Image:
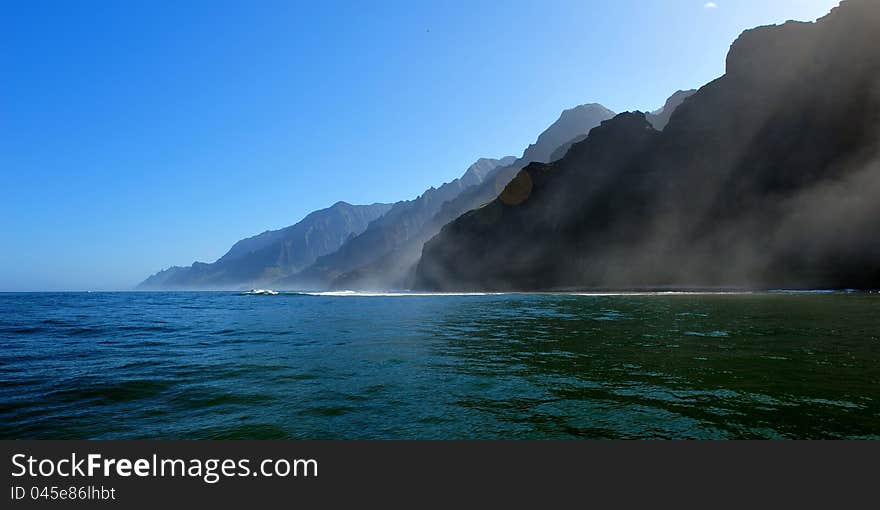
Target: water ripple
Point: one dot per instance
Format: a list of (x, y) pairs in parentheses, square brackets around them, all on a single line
[(224, 365)]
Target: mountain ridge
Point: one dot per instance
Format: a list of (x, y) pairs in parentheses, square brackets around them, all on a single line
[(402, 221), (396, 270), (393, 268), (262, 257), (767, 177)]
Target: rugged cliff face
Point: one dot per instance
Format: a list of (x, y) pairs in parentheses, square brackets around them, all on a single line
[(572, 122), (396, 270), (384, 256), (660, 118), (402, 222), (766, 177), (274, 253)]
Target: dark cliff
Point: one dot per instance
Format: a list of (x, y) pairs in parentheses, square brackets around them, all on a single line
[(384, 256), (403, 221), (767, 177), (395, 269)]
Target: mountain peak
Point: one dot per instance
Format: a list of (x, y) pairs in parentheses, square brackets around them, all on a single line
[(476, 173), (586, 108), (659, 118), (778, 53), (571, 123), (767, 177)]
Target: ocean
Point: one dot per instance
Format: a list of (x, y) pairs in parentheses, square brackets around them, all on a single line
[(228, 365)]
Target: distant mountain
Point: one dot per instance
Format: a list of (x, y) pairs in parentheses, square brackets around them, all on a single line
[(394, 269), (404, 220), (273, 254), (768, 177), (572, 122), (341, 247), (560, 151), (659, 118)]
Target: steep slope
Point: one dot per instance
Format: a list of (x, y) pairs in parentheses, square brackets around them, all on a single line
[(395, 268), (273, 253), (572, 122), (767, 177), (560, 152), (588, 115), (403, 221), (660, 118)]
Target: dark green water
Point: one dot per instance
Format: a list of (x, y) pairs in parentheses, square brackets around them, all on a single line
[(224, 365)]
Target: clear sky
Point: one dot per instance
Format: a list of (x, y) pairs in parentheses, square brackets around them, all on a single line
[(139, 135)]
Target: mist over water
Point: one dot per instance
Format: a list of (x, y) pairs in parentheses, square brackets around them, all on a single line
[(519, 366)]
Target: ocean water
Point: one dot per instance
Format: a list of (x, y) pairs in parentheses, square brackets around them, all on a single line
[(512, 366)]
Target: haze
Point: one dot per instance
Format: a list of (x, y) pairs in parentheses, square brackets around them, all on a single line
[(133, 138)]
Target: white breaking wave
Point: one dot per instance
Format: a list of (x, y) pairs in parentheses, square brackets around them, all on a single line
[(352, 293)]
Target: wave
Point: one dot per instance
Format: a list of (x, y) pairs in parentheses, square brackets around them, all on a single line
[(623, 293), (261, 292), (352, 293)]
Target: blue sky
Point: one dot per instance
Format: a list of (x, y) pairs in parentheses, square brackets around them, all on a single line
[(139, 135)]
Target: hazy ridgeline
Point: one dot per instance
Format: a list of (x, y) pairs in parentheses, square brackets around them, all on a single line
[(380, 253), (274, 253), (766, 177)]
